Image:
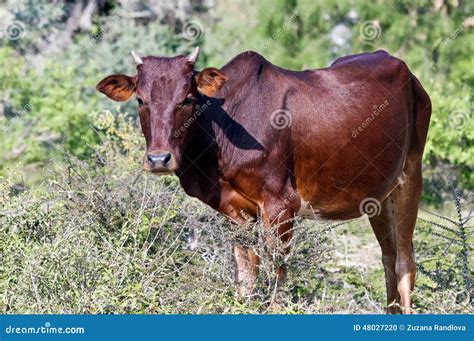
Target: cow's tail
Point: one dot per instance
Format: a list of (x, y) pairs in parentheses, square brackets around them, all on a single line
[(421, 117)]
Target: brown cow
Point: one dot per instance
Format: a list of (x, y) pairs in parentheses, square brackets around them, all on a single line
[(331, 143)]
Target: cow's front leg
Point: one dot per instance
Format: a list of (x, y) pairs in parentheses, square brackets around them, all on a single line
[(277, 235), (277, 216), (246, 263)]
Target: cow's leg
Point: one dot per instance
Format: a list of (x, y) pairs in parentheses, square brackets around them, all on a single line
[(277, 219), (383, 226), (394, 228), (278, 238), (246, 263), (406, 198)]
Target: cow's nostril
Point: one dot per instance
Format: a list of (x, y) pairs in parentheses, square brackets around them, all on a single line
[(166, 159), (151, 159)]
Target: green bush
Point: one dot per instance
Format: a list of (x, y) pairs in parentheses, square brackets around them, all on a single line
[(48, 98)]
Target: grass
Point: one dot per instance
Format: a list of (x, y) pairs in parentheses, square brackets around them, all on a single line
[(104, 237)]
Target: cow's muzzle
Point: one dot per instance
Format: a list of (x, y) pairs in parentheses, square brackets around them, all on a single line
[(159, 162)]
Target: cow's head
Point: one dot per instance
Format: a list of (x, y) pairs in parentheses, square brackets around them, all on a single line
[(167, 91)]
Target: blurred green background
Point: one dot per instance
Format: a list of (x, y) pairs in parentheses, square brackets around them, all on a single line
[(83, 229), (53, 53)]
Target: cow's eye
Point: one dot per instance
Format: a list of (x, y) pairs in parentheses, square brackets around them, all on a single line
[(140, 102), (187, 101)]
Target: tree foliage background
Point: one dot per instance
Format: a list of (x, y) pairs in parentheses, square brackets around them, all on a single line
[(53, 53)]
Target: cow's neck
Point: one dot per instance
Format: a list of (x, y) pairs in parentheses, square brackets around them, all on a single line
[(199, 171)]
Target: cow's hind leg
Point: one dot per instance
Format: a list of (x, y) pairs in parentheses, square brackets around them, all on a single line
[(406, 199), (394, 228), (383, 226)]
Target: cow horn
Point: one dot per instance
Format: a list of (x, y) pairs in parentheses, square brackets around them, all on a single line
[(193, 56), (136, 58)]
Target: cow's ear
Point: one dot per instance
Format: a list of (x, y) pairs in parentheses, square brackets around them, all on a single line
[(210, 80), (117, 87)]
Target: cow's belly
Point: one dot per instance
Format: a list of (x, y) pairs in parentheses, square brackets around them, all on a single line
[(341, 205), (334, 184)]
